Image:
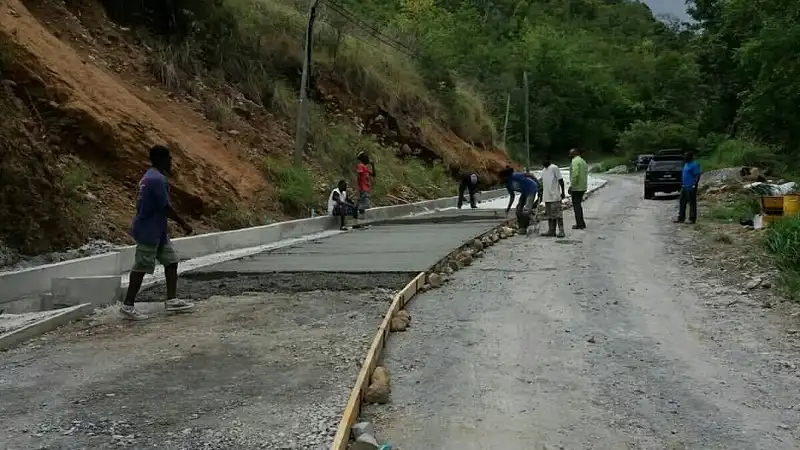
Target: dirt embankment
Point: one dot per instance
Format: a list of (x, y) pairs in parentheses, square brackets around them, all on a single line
[(82, 105)]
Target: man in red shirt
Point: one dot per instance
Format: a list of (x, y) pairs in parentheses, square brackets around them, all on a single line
[(365, 171)]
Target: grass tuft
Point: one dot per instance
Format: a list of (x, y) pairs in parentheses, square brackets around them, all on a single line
[(163, 67), (220, 111), (295, 189), (782, 240), (742, 206)]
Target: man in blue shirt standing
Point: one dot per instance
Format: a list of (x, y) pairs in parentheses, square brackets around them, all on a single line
[(690, 180), (149, 230), (528, 188)]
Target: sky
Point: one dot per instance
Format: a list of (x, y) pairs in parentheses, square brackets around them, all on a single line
[(675, 7)]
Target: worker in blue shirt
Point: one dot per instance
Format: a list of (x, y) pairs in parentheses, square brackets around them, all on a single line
[(528, 188), (690, 179)]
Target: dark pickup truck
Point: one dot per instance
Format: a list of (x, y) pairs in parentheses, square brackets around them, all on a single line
[(663, 175)]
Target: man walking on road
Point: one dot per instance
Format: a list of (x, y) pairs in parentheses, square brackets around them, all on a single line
[(578, 184), (690, 179), (149, 230), (552, 195), (469, 182), (365, 172), (526, 185)]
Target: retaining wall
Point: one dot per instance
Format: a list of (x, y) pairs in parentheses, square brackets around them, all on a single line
[(25, 287)]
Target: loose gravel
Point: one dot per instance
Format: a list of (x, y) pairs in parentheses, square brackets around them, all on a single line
[(251, 371), (609, 339)]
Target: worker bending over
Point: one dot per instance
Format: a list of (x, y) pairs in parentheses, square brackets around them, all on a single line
[(528, 189)]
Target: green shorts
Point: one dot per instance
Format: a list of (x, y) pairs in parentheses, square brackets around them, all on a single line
[(147, 255)]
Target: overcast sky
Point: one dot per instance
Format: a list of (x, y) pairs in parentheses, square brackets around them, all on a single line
[(675, 7)]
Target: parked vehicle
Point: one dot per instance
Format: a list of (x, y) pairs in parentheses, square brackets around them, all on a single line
[(663, 175), (641, 162), (670, 153)]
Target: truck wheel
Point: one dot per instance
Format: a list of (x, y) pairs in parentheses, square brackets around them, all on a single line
[(648, 194)]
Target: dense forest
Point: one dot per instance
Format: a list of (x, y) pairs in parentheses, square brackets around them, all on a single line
[(608, 76)]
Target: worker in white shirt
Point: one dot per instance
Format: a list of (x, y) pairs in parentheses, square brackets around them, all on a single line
[(553, 193), (339, 205)]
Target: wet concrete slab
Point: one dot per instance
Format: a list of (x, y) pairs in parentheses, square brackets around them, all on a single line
[(384, 248)]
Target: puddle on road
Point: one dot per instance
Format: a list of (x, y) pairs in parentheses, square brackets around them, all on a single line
[(567, 241)]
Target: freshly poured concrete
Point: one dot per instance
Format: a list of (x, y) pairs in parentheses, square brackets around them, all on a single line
[(387, 248)]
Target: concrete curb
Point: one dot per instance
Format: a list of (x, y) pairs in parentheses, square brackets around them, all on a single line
[(353, 409), (29, 284), (13, 338)]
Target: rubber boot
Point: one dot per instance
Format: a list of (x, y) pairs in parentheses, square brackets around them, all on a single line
[(561, 232), (551, 228)]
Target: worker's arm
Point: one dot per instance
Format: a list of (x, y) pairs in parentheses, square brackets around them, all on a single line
[(574, 173), (160, 191), (510, 199), (172, 214)]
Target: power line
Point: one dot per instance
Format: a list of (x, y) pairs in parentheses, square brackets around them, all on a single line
[(373, 32), (339, 8)]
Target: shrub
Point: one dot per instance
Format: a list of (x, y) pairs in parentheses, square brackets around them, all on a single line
[(744, 206), (782, 239), (232, 216), (295, 189), (741, 152), (220, 111), (648, 136), (162, 65)]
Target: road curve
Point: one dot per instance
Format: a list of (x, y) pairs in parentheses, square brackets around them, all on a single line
[(603, 340)]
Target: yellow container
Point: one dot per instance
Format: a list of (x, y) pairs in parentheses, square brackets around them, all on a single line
[(791, 204)]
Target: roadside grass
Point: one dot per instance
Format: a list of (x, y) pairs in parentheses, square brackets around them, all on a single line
[(234, 216), (261, 51), (739, 206), (782, 240), (295, 189), (398, 180), (76, 179)]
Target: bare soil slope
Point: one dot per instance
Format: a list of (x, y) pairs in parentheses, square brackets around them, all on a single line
[(83, 105)]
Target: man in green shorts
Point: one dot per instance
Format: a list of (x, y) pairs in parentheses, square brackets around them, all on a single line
[(149, 230)]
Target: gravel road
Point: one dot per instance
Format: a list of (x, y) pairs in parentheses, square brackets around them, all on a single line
[(245, 371), (608, 339)]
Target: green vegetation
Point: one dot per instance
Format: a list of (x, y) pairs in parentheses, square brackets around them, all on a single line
[(741, 206), (782, 240), (606, 76), (295, 189)]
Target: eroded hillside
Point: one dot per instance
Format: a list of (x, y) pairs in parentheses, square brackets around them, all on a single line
[(83, 97)]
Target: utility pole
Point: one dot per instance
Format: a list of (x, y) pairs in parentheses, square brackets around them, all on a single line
[(527, 121), (302, 102), (505, 123)]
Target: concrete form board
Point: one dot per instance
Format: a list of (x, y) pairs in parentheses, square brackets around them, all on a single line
[(34, 281), (98, 290), (388, 248)]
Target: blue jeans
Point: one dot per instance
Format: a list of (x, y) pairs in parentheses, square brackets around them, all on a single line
[(688, 196)]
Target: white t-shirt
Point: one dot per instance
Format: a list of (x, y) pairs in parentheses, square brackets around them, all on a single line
[(551, 192), (332, 202)]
